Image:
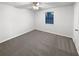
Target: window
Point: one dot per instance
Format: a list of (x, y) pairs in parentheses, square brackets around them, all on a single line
[(49, 18)]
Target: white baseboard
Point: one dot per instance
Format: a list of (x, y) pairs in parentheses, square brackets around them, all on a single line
[(76, 45), (16, 35), (77, 49), (54, 33)]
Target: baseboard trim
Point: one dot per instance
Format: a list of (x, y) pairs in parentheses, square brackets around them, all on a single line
[(76, 46), (54, 33), (16, 36)]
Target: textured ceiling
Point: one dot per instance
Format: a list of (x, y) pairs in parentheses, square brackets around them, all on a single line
[(42, 5)]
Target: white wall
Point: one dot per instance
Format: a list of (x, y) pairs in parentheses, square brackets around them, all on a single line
[(14, 22), (63, 21), (76, 26)]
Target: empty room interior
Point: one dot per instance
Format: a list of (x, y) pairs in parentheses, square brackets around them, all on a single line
[(39, 28)]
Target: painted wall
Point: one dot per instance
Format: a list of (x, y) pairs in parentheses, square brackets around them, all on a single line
[(63, 21), (14, 22), (76, 26)]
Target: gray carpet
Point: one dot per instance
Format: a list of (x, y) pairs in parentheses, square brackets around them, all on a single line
[(38, 43)]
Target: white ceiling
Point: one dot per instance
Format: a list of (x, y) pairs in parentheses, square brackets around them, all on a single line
[(42, 5)]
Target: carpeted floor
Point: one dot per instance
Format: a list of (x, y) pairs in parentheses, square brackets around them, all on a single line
[(38, 43)]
